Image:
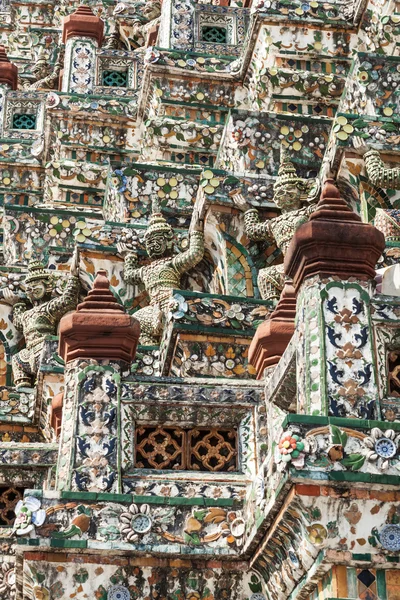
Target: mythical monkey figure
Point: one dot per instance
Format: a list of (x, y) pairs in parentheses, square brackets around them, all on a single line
[(131, 23), (290, 192), (163, 274), (46, 78), (387, 220), (38, 314)]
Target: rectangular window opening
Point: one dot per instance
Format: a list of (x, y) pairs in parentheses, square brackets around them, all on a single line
[(186, 449)]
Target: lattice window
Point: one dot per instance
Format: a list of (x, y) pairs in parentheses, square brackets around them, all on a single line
[(23, 121), (199, 449), (393, 367), (9, 496), (159, 447), (115, 78), (216, 35)]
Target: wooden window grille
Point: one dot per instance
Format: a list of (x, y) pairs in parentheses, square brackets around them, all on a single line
[(199, 449), (215, 35), (9, 496)]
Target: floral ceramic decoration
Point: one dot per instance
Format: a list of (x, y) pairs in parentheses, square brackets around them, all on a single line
[(28, 515), (292, 450), (118, 592), (382, 446), (135, 522), (130, 134), (217, 312), (317, 533), (389, 537), (8, 580)]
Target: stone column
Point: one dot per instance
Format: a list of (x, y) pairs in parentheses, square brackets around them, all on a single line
[(83, 35), (97, 342), (8, 81), (331, 261)]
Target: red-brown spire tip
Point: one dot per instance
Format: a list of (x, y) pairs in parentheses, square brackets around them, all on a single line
[(332, 206), (8, 71), (101, 281), (83, 23), (3, 54), (330, 190), (84, 10), (99, 328), (100, 297), (334, 242)]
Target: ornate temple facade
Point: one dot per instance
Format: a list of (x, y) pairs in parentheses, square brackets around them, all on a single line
[(200, 300)]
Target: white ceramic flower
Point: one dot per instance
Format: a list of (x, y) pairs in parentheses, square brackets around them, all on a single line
[(381, 446), (28, 515), (135, 522)]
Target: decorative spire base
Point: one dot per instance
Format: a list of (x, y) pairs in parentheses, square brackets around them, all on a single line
[(99, 328), (8, 71), (273, 336), (333, 243), (83, 23)]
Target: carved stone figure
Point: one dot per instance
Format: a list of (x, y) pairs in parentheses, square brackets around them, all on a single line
[(378, 174), (163, 274), (387, 220), (133, 29), (38, 314), (290, 192), (46, 79)]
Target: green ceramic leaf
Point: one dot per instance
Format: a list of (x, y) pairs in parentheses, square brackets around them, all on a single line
[(338, 436), (353, 461), (200, 514)]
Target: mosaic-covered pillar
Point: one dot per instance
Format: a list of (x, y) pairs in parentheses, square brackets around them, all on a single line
[(332, 261), (82, 35), (98, 342), (8, 80)]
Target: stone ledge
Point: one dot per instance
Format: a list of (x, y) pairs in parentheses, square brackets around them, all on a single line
[(339, 422)]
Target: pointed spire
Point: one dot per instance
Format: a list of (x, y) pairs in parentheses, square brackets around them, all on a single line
[(83, 23), (332, 206), (99, 328), (100, 296), (333, 243), (273, 336), (8, 71)]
